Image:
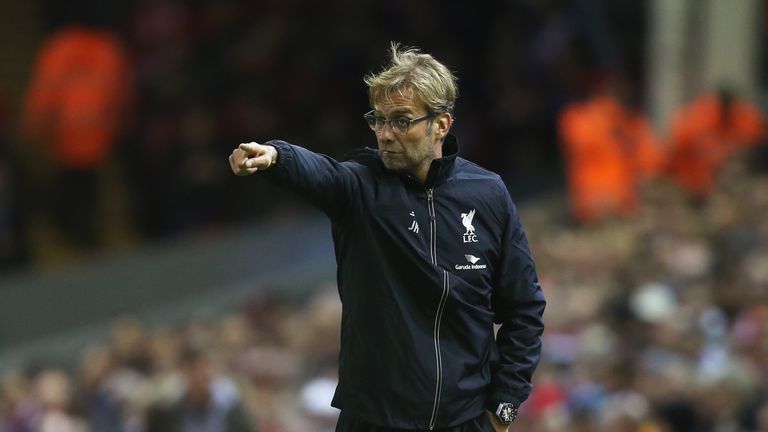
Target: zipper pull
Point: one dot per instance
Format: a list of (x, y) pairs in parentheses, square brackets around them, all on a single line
[(430, 204)]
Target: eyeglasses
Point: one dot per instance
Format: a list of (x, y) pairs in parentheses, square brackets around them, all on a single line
[(399, 125)]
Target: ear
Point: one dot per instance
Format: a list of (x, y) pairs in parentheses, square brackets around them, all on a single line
[(443, 124)]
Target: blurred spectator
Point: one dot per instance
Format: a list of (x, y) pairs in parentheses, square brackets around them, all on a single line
[(316, 396), (609, 150), (705, 133), (209, 402), (75, 110), (17, 405), (54, 392), (129, 344), (104, 389)]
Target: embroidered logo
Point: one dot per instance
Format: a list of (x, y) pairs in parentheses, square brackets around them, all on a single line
[(473, 264), (466, 220), (472, 259), (414, 225)]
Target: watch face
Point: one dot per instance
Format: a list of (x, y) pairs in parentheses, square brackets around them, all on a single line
[(507, 413)]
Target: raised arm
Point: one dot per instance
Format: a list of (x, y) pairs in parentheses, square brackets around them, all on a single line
[(322, 181)]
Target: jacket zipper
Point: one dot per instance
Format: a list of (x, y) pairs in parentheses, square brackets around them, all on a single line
[(432, 227), (440, 306)]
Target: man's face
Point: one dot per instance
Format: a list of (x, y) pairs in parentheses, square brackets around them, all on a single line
[(413, 151)]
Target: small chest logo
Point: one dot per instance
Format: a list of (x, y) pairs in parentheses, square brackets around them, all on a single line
[(473, 264), (414, 225), (466, 220), (472, 259)]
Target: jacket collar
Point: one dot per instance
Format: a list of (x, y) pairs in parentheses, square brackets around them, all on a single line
[(441, 168)]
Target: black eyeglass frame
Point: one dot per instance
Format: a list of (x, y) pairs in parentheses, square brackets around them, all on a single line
[(400, 125)]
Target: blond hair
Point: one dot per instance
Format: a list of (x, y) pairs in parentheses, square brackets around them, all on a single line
[(410, 70)]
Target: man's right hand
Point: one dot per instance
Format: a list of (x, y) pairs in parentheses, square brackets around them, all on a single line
[(250, 157)]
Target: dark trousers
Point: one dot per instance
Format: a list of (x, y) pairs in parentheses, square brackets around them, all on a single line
[(349, 424)]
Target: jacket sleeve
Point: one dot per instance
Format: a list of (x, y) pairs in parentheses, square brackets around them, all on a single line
[(324, 182), (518, 305)]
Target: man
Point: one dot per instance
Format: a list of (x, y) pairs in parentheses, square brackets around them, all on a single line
[(610, 150), (430, 252), (76, 106), (706, 133)]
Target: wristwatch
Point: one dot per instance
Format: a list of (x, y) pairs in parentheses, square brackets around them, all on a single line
[(506, 413)]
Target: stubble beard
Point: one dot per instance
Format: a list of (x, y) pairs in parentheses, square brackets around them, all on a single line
[(407, 165), (410, 162)]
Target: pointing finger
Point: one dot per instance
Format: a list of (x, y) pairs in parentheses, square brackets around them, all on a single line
[(251, 148)]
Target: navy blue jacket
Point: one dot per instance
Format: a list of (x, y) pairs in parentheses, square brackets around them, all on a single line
[(424, 270)]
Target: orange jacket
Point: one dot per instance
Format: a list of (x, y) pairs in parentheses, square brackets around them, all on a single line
[(607, 151), (78, 96), (703, 138), (599, 178), (647, 153)]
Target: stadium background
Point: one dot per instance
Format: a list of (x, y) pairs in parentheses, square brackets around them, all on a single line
[(657, 322)]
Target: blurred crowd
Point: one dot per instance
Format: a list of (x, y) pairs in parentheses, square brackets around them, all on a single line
[(268, 367), (655, 324), (658, 323)]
